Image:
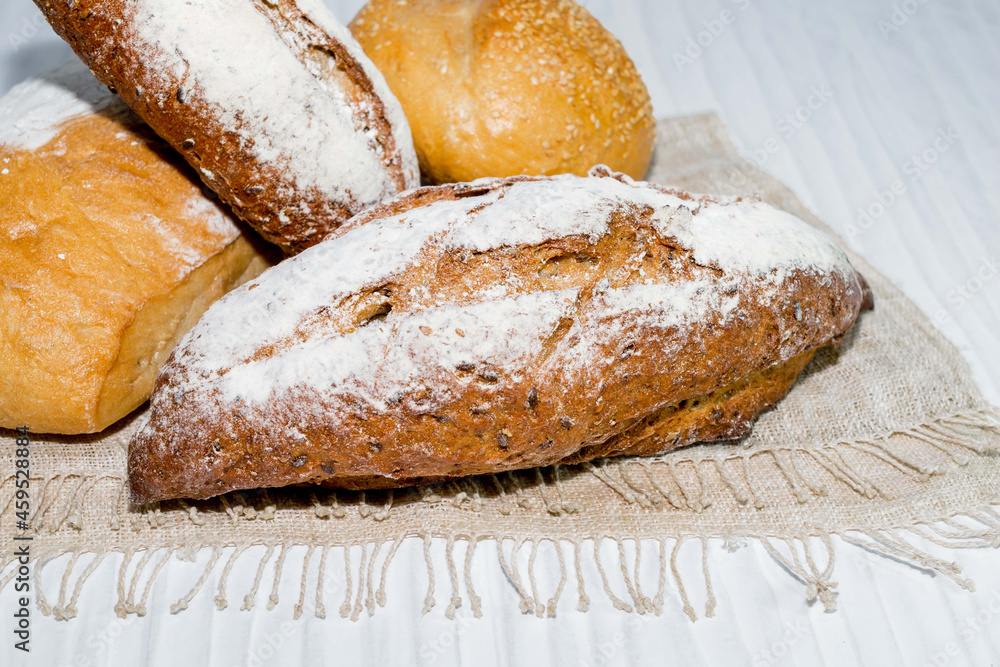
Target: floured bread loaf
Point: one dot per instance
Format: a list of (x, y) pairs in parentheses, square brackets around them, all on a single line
[(272, 101), (109, 251), (492, 326)]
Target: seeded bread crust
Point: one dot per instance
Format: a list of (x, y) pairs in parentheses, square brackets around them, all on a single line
[(510, 87), (486, 339), (219, 132)]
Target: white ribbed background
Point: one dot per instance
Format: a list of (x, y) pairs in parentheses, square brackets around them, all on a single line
[(888, 97)]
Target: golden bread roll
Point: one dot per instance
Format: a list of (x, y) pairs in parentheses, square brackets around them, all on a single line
[(507, 87), (109, 251), (492, 326), (272, 101)]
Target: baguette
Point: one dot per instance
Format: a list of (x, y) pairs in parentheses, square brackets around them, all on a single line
[(271, 101), (492, 326)]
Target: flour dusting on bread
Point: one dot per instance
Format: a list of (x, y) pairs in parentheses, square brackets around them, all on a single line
[(763, 242), (38, 111), (278, 110), (753, 237), (488, 326), (506, 331), (32, 111), (271, 101), (112, 249)]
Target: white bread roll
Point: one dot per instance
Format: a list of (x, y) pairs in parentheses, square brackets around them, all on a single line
[(110, 250), (510, 87)]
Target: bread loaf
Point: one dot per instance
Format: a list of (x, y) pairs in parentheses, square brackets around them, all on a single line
[(109, 251), (271, 101), (510, 87), (491, 326)]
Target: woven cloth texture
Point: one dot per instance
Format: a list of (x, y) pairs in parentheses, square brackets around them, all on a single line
[(886, 435)]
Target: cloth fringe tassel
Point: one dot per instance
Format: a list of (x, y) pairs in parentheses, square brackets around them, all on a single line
[(635, 576), (615, 566)]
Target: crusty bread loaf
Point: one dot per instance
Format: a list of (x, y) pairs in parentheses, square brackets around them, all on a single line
[(109, 251), (509, 87), (492, 326), (272, 101)]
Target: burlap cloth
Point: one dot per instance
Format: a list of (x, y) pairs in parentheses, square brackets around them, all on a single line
[(881, 440)]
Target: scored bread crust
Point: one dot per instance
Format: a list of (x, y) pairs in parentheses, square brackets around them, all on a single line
[(272, 101), (497, 325)]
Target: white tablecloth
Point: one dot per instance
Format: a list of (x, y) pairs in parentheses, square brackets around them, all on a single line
[(883, 118)]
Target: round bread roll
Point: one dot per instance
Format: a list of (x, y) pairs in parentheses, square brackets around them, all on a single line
[(272, 101), (110, 250), (508, 87)]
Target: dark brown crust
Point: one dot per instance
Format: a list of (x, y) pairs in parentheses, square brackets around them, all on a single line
[(258, 194), (360, 85), (648, 390), (723, 414), (453, 191)]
